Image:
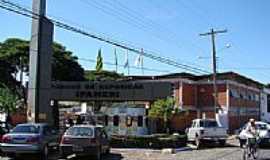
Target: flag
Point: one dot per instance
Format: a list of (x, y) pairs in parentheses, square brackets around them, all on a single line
[(141, 60), (138, 60), (126, 60)]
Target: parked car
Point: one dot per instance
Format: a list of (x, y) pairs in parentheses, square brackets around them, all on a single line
[(30, 138), (6, 126), (263, 130), (206, 130), (84, 140), (3, 131)]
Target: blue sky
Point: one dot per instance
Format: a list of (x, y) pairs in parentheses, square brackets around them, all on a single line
[(169, 28)]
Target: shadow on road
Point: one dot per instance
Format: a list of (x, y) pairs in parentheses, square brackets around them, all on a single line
[(111, 156)]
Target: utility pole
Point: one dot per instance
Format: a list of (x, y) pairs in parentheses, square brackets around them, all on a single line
[(38, 105), (212, 33)]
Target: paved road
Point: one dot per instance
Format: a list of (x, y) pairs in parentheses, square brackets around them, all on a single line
[(227, 153), (230, 152)]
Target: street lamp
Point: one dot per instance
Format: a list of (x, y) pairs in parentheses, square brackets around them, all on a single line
[(214, 58)]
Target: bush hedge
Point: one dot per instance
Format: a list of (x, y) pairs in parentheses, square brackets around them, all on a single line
[(155, 141)]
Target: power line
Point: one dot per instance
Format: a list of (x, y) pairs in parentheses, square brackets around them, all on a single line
[(125, 15), (22, 11), (133, 67)]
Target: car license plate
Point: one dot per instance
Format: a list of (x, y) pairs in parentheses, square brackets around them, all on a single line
[(77, 149)]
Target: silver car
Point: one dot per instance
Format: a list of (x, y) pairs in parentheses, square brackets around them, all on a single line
[(85, 140), (29, 138)]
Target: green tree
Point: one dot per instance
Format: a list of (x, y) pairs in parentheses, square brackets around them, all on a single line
[(99, 65), (65, 66), (102, 75), (9, 100), (163, 109), (14, 57)]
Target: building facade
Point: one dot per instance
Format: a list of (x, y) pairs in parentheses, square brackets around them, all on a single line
[(238, 99), (265, 105)]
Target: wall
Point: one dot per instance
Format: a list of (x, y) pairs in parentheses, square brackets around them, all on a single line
[(182, 120), (189, 94), (123, 111), (244, 104), (206, 98), (265, 104)]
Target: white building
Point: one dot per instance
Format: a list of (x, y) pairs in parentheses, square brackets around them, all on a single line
[(265, 105), (126, 119)]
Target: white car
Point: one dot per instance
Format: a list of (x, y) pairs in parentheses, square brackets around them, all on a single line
[(263, 131), (206, 130)]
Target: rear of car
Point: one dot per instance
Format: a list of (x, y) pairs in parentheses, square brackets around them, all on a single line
[(80, 140), (206, 130), (24, 138), (210, 130)]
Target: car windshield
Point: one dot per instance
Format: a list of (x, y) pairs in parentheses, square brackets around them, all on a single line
[(26, 129), (80, 131), (208, 123), (262, 126)]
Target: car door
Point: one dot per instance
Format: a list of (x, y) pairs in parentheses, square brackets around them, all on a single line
[(50, 138), (191, 131)]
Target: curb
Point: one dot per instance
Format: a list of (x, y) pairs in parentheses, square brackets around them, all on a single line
[(164, 150)]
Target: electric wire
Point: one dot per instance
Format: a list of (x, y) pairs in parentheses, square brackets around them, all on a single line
[(167, 61)]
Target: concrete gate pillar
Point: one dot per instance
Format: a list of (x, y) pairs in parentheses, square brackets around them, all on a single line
[(39, 107)]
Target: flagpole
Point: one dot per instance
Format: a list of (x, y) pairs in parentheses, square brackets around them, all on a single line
[(142, 62), (127, 62), (116, 63)]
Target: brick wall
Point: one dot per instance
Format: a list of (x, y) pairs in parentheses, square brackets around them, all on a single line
[(183, 120), (189, 94), (206, 98)]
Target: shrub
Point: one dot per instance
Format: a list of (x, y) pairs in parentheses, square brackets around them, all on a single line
[(156, 141)]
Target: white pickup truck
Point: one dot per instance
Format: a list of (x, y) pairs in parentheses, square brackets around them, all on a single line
[(206, 130)]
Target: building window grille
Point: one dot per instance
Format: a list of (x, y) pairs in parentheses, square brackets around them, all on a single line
[(106, 120), (115, 120), (140, 121), (146, 121), (234, 94), (256, 97)]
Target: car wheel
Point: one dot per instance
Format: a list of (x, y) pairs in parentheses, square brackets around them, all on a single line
[(45, 153), (11, 156), (108, 150), (222, 142), (198, 143), (98, 155)]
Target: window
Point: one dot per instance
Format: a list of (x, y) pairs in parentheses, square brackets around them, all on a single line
[(257, 97), (234, 93), (249, 96), (47, 130), (80, 131), (207, 123), (129, 120), (26, 129), (103, 134), (115, 120), (140, 121), (146, 122), (241, 95), (193, 124), (106, 120)]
